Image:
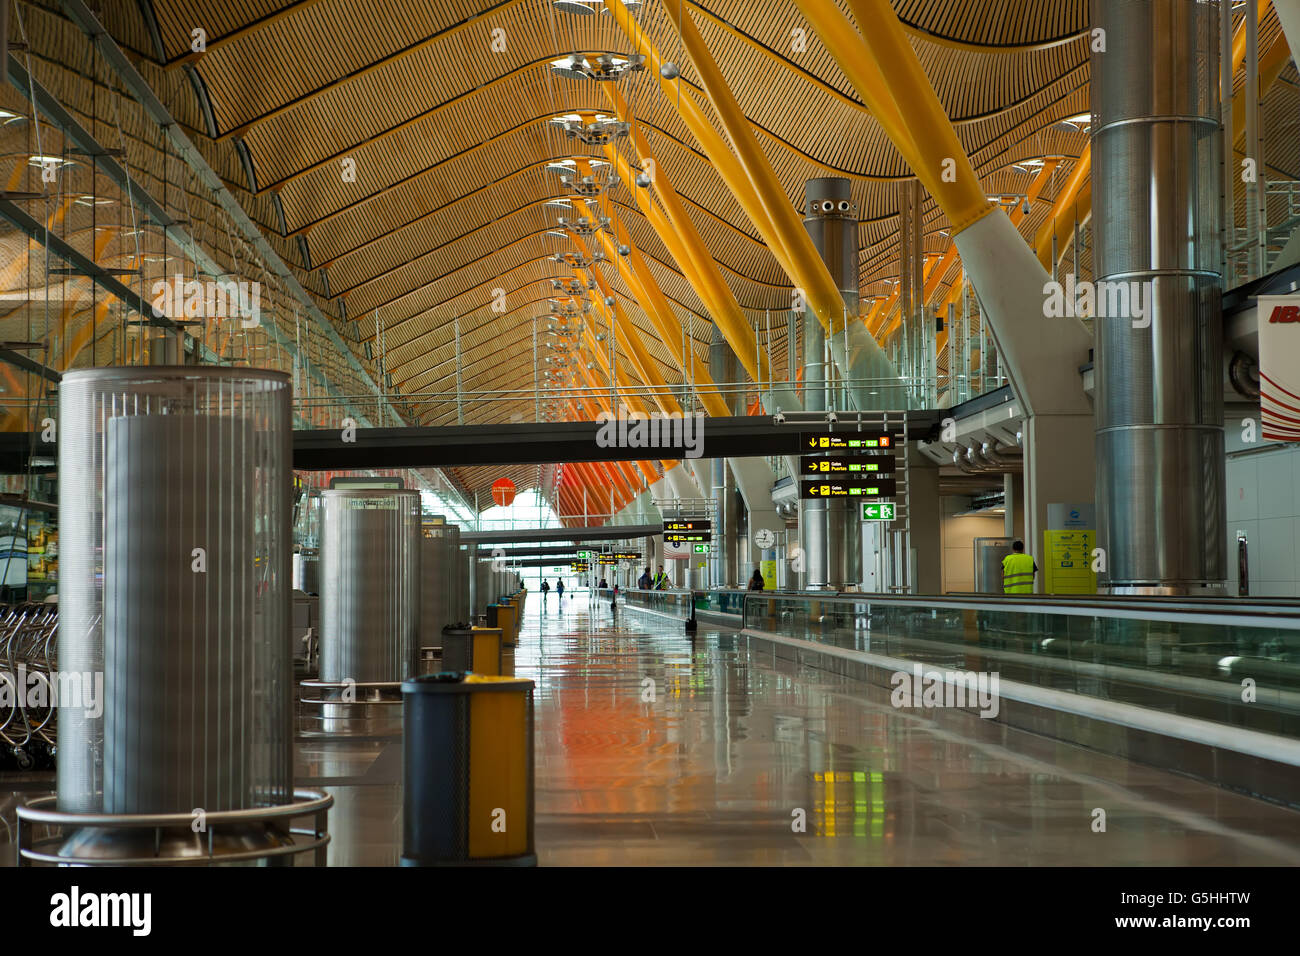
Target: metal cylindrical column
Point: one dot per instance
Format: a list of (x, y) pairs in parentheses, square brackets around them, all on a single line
[(834, 542), (437, 578), (175, 511), (370, 581), (1156, 154)]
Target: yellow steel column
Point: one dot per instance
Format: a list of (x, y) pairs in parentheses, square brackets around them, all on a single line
[(669, 336), (696, 260), (807, 269), (730, 320)]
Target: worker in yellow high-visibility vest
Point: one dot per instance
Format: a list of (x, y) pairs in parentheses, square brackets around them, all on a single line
[(1018, 570)]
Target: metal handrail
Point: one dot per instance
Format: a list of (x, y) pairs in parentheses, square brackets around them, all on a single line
[(306, 803), (1244, 612)]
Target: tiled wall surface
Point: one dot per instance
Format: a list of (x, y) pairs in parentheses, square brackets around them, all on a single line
[(1263, 493)]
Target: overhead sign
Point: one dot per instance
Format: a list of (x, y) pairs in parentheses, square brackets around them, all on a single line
[(688, 538), (879, 511), (579, 567), (857, 442), (687, 524), (627, 555), (848, 488), (1279, 367), (701, 549), (503, 491), (606, 560), (584, 555), (848, 465)]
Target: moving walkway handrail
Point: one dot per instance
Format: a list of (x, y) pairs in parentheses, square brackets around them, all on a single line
[(1244, 612)]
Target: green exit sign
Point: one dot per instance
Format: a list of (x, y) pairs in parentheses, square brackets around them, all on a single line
[(584, 554), (701, 549), (879, 511)]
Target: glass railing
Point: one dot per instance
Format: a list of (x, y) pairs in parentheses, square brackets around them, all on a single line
[(727, 601), (672, 603), (1232, 662)]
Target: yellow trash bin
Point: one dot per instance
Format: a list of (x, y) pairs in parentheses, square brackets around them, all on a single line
[(467, 771)]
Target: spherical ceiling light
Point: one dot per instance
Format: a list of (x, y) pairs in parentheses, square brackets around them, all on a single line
[(669, 71)]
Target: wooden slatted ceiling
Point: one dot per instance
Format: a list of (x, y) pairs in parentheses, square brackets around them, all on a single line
[(449, 139)]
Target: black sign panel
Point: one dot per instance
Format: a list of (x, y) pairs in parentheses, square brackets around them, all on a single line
[(845, 466), (847, 488), (627, 555), (688, 537), (579, 567), (687, 524), (606, 560), (853, 443)]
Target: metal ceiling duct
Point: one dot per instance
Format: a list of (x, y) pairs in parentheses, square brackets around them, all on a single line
[(370, 585), (174, 485), (1156, 191)]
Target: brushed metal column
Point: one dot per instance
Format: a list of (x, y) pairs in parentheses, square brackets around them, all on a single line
[(175, 517), (370, 584), (834, 533), (723, 370), (1157, 153)]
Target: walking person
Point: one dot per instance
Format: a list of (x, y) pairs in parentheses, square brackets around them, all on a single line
[(546, 589), (756, 583)]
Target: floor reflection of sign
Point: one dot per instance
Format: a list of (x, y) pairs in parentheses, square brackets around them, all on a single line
[(1068, 562)]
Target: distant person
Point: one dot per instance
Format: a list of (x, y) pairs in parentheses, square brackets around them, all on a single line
[(546, 589), (1018, 570), (661, 580), (559, 588), (645, 582), (603, 585), (756, 582)]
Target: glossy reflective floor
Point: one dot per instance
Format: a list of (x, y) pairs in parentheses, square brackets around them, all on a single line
[(656, 750)]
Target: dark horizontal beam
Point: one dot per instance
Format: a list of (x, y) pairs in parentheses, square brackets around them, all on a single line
[(511, 553), (536, 443), (613, 532), (516, 443)]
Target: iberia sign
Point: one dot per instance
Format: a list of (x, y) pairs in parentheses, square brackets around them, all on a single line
[(1279, 367)]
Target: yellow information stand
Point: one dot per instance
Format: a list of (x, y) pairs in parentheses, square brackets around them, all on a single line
[(1067, 562)]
